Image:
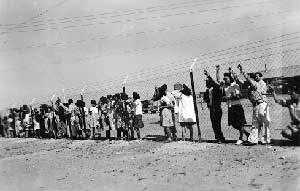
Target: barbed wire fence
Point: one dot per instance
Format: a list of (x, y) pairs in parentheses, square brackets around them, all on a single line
[(274, 51)]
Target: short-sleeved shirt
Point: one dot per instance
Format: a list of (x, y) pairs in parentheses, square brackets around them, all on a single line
[(138, 107), (171, 97), (233, 89), (258, 92), (94, 110)]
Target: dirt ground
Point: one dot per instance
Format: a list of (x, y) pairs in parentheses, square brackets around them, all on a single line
[(31, 164), (153, 164)]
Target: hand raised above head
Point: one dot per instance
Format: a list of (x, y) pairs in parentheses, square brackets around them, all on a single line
[(239, 66), (271, 88)]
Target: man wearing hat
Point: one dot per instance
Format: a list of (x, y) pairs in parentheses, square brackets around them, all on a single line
[(261, 117)]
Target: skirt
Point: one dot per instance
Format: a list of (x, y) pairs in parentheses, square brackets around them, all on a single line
[(138, 122), (236, 116)]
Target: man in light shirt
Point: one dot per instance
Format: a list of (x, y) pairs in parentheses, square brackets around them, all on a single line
[(261, 117)]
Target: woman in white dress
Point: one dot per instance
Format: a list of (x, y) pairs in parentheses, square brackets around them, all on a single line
[(186, 112)]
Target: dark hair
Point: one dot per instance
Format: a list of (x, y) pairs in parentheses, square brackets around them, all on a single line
[(186, 90), (209, 83), (258, 73), (80, 103), (228, 75), (163, 103), (117, 96), (162, 91), (103, 100), (93, 102), (124, 96), (135, 95), (70, 101)]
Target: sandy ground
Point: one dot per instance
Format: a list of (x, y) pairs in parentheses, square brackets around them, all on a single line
[(152, 164), (33, 164)]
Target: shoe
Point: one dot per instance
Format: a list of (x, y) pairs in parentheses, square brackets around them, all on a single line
[(168, 140), (219, 141), (248, 143), (265, 142), (239, 142)]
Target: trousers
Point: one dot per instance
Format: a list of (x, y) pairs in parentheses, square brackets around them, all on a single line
[(260, 124), (215, 117)]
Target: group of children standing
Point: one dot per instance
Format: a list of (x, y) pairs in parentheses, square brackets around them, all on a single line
[(74, 120)]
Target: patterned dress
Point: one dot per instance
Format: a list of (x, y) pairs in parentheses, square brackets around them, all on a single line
[(166, 112)]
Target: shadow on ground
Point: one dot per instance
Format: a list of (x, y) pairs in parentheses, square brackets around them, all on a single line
[(274, 142)]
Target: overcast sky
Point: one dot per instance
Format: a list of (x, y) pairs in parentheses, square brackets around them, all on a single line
[(46, 45)]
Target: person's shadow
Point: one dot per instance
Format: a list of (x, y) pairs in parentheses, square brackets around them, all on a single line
[(284, 142)]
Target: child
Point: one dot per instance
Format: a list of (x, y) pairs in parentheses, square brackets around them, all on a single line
[(36, 126), (166, 113), (11, 130), (18, 127), (137, 119), (90, 124), (5, 126)]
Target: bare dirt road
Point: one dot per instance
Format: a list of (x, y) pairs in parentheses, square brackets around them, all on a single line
[(32, 164)]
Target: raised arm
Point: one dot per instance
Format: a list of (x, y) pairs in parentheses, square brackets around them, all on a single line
[(247, 77), (210, 79), (218, 74)]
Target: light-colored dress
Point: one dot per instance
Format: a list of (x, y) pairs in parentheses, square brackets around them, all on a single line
[(185, 108), (93, 119), (166, 113)]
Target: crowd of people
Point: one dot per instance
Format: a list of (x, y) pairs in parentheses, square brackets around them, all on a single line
[(177, 105), (229, 90), (123, 114), (76, 121)]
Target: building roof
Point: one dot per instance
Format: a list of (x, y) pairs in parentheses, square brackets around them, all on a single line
[(288, 71)]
